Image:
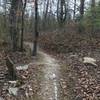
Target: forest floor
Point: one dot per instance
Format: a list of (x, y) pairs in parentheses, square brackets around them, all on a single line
[(46, 78), (39, 78)]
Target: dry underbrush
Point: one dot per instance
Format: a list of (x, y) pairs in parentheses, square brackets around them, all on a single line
[(68, 42)]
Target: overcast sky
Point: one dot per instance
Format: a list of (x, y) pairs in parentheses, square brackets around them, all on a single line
[(29, 6)]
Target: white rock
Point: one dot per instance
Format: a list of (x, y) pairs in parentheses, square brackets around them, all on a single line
[(13, 91), (25, 67), (53, 76), (27, 95), (13, 82), (89, 60)]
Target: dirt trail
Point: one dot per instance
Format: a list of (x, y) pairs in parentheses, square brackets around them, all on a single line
[(50, 88)]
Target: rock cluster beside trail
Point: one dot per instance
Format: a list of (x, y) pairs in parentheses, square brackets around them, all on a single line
[(27, 83)]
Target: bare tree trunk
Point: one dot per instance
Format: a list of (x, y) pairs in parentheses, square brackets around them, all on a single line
[(45, 14), (22, 30), (5, 2), (93, 17), (82, 8), (61, 12), (13, 24), (36, 29), (81, 27), (74, 9)]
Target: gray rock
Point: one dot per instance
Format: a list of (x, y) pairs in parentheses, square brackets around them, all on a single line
[(78, 98), (89, 60)]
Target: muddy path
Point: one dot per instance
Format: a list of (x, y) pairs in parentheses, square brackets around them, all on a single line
[(50, 86)]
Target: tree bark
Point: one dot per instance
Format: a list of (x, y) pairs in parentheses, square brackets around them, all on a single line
[(45, 14), (93, 17), (81, 27), (74, 9), (82, 8), (61, 12), (36, 30), (13, 24), (22, 28)]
